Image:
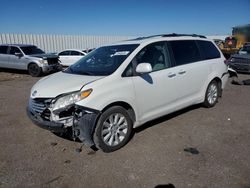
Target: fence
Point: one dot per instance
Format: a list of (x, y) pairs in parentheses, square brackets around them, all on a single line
[(56, 43)]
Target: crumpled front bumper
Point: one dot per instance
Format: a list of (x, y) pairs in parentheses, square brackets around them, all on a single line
[(51, 68), (84, 122), (48, 125)]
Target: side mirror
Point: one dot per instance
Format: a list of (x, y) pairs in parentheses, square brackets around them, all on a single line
[(143, 68), (18, 54)]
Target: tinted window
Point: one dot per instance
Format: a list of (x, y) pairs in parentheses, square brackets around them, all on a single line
[(208, 50), (155, 54), (14, 50), (185, 51), (3, 49), (75, 53), (128, 71), (64, 53), (29, 50)]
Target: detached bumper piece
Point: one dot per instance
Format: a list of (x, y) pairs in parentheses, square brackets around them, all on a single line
[(84, 125)]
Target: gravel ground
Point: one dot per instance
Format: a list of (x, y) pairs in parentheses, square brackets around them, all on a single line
[(158, 154)]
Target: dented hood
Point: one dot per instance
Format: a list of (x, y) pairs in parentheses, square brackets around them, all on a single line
[(60, 83)]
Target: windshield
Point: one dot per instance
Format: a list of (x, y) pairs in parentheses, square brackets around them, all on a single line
[(30, 50), (102, 61)]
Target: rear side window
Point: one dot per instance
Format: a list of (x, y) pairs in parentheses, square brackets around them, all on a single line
[(185, 51), (75, 53), (208, 50), (64, 53), (3, 49)]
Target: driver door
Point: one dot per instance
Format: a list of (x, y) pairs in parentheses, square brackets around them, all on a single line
[(156, 91), (16, 61)]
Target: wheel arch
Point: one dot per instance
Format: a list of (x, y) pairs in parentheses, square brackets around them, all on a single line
[(31, 62), (219, 81), (125, 105)]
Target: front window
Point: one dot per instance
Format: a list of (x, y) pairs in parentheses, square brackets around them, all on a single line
[(14, 50), (102, 61), (31, 50)]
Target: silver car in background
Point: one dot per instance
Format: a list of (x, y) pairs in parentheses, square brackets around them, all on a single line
[(28, 57)]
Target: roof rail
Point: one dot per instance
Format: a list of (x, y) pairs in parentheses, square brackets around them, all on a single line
[(170, 35), (182, 35)]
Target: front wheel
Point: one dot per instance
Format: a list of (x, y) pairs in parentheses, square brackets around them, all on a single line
[(212, 94), (113, 129), (34, 70)]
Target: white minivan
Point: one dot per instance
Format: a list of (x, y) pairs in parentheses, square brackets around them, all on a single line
[(118, 87)]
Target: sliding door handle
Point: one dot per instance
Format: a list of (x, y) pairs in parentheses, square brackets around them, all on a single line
[(171, 75), (182, 72)]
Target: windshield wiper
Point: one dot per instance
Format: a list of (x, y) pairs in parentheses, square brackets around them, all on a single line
[(86, 73), (68, 70)]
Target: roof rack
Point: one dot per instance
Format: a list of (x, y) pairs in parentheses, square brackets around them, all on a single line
[(171, 35), (183, 35)]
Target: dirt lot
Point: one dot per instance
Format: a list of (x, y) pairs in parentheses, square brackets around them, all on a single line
[(33, 157)]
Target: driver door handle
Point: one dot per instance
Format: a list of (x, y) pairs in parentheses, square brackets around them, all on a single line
[(171, 75)]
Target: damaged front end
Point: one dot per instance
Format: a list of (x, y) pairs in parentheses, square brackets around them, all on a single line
[(74, 118)]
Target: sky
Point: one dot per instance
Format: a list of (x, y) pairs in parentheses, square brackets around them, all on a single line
[(122, 17)]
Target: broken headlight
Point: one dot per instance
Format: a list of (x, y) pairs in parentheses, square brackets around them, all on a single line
[(70, 99)]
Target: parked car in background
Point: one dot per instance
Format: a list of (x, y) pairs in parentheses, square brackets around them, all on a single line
[(240, 62), (118, 87), (70, 56), (245, 49), (28, 57)]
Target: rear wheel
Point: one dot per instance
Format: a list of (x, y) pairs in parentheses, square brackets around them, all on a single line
[(34, 70), (113, 129), (212, 94)]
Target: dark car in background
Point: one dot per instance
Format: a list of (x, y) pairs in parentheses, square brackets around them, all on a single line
[(245, 49), (240, 62)]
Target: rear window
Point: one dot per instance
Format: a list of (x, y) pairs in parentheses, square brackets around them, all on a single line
[(3, 49), (208, 50), (185, 51)]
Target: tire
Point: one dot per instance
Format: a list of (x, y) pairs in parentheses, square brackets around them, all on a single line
[(34, 70), (212, 94), (113, 129)]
